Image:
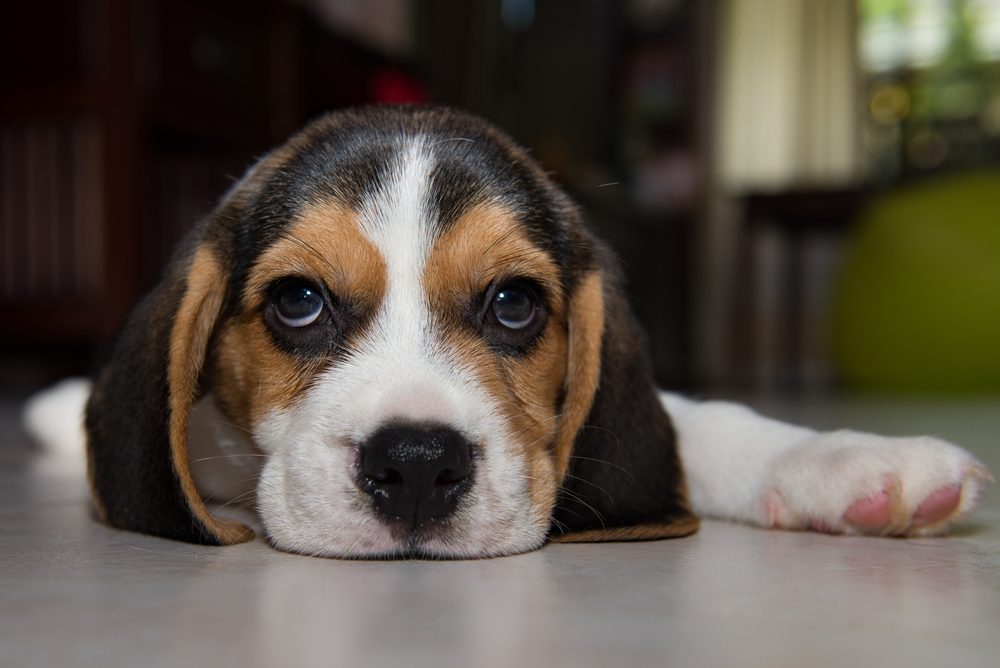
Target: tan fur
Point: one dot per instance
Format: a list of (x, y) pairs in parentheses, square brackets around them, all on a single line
[(326, 246), (678, 529), (189, 338), (485, 245), (586, 331)]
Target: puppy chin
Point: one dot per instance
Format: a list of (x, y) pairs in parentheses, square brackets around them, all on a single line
[(459, 546), (305, 514)]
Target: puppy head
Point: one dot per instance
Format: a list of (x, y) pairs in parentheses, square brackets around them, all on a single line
[(422, 338)]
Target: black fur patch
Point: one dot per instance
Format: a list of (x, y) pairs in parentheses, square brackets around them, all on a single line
[(624, 470), (349, 156), (128, 427)]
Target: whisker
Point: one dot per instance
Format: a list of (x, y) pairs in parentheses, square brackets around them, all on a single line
[(229, 456), (503, 237), (576, 497), (537, 423), (451, 139), (511, 259), (605, 430), (230, 424), (588, 482), (234, 499), (603, 461), (310, 249), (559, 525), (239, 497), (570, 511)]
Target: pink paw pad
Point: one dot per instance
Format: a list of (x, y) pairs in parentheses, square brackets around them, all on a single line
[(871, 513), (938, 505)]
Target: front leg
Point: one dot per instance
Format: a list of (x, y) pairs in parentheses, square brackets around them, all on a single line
[(746, 467)]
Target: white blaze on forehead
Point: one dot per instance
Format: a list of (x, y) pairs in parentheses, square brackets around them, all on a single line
[(411, 375), (397, 221)]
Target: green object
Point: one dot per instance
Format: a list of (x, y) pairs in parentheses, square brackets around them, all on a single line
[(917, 308)]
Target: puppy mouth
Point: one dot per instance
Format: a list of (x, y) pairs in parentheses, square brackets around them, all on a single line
[(414, 540)]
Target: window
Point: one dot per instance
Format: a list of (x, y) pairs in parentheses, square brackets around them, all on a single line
[(931, 70)]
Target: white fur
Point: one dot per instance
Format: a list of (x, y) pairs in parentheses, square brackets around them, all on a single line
[(54, 417), (308, 499), (745, 467)]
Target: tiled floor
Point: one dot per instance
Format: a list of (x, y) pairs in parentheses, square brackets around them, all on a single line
[(74, 593)]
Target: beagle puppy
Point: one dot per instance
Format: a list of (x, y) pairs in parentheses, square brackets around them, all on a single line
[(413, 346)]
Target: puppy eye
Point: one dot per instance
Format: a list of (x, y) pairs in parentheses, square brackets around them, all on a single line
[(514, 307), (298, 304)]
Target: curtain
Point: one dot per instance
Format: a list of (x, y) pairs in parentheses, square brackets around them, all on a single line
[(787, 114), (786, 94)]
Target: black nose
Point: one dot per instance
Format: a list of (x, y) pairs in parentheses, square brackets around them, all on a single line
[(416, 473)]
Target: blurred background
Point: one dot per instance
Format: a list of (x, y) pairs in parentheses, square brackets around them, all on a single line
[(805, 194)]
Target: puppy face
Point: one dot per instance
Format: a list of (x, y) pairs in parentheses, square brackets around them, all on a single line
[(408, 318)]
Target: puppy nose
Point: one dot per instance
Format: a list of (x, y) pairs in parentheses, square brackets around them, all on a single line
[(416, 473)]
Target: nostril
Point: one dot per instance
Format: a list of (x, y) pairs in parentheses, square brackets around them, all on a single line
[(450, 477), (386, 477)]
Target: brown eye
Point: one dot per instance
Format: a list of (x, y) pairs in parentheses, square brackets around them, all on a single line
[(514, 307), (298, 304)]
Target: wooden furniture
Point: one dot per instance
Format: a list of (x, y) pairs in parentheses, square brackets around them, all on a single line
[(796, 217)]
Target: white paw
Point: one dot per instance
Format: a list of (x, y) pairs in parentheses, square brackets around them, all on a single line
[(856, 483), (54, 417)]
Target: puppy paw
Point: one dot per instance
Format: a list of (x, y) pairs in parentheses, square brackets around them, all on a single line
[(854, 483)]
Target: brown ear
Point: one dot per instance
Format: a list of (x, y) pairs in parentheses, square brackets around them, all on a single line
[(138, 413), (623, 478)]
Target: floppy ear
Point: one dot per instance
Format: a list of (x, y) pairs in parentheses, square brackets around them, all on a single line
[(623, 478), (138, 413)]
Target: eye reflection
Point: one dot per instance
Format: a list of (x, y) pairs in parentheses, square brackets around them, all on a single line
[(298, 305), (514, 307)]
